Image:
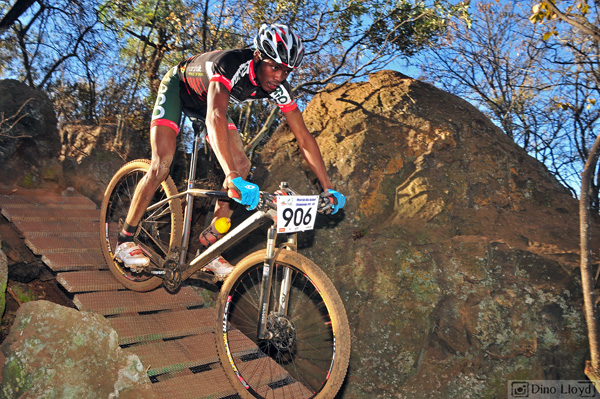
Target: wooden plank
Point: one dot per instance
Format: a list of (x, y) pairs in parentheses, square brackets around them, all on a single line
[(261, 372), (44, 213), (47, 245), (170, 324), (88, 260), (65, 231), (122, 302), (293, 390), (173, 356), (211, 384), (88, 280), (57, 228), (239, 344), (23, 197)]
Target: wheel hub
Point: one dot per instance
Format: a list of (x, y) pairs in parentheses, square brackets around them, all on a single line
[(282, 332)]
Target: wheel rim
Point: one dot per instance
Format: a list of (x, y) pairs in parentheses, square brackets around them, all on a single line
[(155, 227), (300, 353)]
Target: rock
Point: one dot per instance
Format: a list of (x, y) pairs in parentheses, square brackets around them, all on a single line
[(23, 266), (58, 352), (91, 154), (462, 272), (29, 140), (35, 154)]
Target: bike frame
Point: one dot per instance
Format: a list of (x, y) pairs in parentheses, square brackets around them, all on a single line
[(256, 220)]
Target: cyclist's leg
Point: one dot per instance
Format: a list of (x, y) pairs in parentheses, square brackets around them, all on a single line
[(163, 142), (163, 133)]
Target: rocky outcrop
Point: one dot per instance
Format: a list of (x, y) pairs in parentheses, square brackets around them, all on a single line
[(29, 140), (457, 253), (91, 154), (34, 153), (56, 352)]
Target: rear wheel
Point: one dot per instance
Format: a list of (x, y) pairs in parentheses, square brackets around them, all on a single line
[(159, 230), (308, 351)]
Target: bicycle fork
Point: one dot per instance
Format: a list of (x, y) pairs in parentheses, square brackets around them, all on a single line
[(267, 281)]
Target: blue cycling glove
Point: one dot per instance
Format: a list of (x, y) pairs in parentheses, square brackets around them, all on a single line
[(248, 193), (338, 202)]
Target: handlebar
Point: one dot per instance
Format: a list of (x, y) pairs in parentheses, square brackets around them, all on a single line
[(269, 200)]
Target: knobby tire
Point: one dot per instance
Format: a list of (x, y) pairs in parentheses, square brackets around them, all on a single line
[(310, 354), (160, 229)]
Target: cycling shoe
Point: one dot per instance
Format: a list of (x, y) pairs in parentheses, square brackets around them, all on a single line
[(220, 267), (131, 255)]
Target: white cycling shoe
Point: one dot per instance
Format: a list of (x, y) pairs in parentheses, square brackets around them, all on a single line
[(132, 256), (220, 267)]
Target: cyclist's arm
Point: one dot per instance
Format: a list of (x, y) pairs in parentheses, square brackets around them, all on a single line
[(308, 146), (217, 124)]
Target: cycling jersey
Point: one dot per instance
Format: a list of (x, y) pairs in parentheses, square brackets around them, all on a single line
[(185, 87)]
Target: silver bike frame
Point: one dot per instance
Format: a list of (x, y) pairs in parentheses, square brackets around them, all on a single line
[(253, 222)]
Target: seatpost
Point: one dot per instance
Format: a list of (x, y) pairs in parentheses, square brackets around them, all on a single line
[(187, 216)]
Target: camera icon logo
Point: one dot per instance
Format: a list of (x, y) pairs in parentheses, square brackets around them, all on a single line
[(519, 389)]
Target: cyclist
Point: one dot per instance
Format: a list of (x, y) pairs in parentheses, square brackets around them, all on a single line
[(203, 86)]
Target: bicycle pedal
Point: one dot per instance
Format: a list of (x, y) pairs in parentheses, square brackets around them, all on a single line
[(137, 269)]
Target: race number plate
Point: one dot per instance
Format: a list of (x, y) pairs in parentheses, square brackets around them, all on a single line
[(296, 212)]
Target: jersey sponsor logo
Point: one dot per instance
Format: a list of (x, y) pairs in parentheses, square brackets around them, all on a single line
[(240, 73), (195, 69), (159, 111), (281, 96)]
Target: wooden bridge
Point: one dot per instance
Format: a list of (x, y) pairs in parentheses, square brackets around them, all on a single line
[(171, 333)]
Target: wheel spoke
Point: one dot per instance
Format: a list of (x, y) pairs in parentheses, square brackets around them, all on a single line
[(300, 351), (157, 228)]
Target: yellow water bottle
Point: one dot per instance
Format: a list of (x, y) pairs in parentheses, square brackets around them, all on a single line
[(222, 225), (212, 233)]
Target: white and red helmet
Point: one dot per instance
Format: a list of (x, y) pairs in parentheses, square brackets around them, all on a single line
[(279, 43)]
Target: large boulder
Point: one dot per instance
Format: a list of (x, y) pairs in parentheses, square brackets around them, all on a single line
[(456, 254), (55, 352), (91, 154), (34, 153), (29, 139)]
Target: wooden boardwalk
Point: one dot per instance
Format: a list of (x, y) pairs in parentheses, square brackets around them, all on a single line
[(171, 333)]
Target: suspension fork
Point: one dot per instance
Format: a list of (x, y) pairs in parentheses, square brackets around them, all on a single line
[(263, 311), (267, 281), (287, 278)]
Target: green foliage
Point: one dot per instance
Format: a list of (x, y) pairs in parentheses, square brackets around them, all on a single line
[(411, 27), (119, 50)]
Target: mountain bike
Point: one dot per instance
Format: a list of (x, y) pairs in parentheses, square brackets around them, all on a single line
[(281, 327)]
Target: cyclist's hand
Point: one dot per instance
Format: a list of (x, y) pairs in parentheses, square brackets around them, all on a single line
[(244, 192), (336, 201)]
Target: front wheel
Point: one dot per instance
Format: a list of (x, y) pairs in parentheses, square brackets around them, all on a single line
[(159, 230), (308, 349)]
